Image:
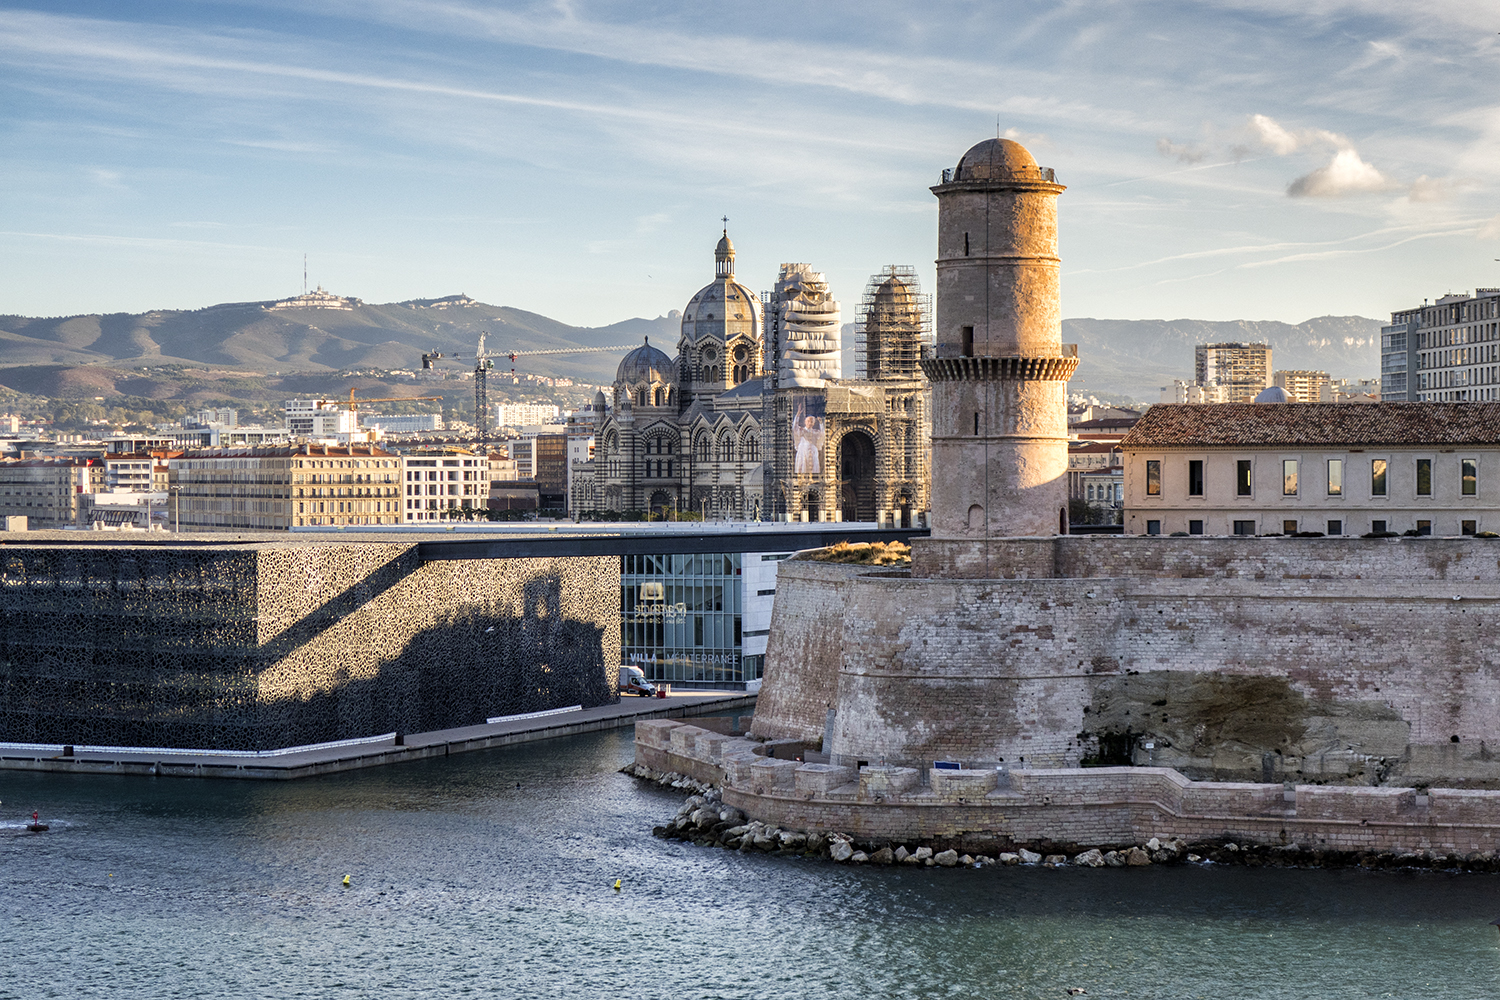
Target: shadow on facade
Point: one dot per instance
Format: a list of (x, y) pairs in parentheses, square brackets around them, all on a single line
[(129, 648)]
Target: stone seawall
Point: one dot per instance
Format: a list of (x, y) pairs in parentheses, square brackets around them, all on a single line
[(1365, 661), (260, 645), (807, 634), (991, 810)]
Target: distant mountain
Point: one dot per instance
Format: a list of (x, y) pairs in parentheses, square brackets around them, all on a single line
[(252, 335), (1119, 357), (1137, 357)]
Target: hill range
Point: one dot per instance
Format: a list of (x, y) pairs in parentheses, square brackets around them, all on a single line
[(1132, 358)]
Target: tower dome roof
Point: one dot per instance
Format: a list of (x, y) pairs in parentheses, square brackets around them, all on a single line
[(1272, 394), (997, 160), (646, 364)]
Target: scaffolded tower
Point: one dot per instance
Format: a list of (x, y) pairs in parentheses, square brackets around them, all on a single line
[(895, 331)]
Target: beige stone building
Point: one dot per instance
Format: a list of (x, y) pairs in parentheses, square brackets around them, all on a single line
[(49, 491), (270, 489), (1268, 468)]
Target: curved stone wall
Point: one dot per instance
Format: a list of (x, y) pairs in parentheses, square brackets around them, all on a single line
[(804, 650)]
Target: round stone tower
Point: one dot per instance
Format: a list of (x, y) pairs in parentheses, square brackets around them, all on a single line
[(999, 407)]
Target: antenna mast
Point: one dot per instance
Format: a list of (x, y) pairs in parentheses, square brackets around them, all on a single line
[(304, 274)]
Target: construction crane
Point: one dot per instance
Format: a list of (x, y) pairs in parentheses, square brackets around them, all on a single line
[(353, 403), (485, 360)]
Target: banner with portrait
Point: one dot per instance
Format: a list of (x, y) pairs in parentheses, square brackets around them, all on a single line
[(809, 433)]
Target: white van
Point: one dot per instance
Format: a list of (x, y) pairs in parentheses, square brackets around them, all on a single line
[(633, 681)]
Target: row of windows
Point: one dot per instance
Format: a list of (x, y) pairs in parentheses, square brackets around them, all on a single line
[(1332, 526), (1291, 477)]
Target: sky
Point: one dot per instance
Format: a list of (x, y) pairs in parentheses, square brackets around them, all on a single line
[(1225, 159)]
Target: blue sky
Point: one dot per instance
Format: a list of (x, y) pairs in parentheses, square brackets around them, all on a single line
[(1251, 159)]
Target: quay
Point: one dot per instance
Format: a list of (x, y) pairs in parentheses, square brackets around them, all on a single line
[(353, 755)]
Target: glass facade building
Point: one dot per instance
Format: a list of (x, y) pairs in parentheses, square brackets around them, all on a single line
[(682, 618)]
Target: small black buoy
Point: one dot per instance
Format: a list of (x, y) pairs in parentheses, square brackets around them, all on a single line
[(400, 740), (68, 750)]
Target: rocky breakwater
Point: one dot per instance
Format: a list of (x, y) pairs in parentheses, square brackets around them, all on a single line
[(1065, 811)]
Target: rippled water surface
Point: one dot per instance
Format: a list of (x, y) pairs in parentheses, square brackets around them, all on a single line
[(490, 874)]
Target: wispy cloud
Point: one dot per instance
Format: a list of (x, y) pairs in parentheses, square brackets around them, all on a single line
[(1181, 151)]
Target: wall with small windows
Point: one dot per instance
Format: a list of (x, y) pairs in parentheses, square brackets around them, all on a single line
[(1334, 491)]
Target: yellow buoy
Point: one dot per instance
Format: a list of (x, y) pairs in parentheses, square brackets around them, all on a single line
[(617, 885), (346, 879)]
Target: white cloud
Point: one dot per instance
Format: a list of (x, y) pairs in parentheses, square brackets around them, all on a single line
[(1272, 135), (1490, 230), (1345, 174)]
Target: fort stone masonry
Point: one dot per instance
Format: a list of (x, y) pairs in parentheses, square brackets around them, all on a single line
[(1230, 668)]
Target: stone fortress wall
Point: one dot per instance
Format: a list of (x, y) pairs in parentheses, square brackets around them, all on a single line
[(993, 809), (1363, 661), (262, 645)]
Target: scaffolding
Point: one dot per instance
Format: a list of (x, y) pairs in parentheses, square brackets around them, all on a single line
[(895, 332)]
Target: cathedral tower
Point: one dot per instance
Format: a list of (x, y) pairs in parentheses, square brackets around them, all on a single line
[(999, 377)]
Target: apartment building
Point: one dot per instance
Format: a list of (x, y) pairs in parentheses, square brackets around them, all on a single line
[(1303, 386), (271, 489), (48, 491), (437, 484), (1448, 351), (1242, 370)]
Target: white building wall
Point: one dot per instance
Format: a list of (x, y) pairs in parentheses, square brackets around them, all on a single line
[(1357, 506)]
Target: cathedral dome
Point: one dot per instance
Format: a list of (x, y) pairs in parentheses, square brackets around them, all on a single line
[(1272, 394), (646, 364), (997, 160)]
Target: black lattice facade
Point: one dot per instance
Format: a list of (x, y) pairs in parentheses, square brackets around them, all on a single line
[(266, 645)]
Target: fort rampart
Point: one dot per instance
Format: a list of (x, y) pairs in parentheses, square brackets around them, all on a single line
[(259, 645), (1320, 660), (992, 809)]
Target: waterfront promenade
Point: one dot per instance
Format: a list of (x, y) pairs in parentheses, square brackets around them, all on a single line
[(375, 751)]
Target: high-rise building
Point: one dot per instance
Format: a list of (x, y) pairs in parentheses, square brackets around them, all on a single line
[(1449, 351), (1242, 370), (1304, 386)]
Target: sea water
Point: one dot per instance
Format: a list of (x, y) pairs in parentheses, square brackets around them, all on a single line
[(491, 874)]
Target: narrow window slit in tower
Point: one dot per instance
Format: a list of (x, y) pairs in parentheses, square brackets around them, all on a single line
[(976, 425), (966, 346), (966, 244)]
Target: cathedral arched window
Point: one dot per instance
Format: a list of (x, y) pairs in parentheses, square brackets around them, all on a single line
[(750, 448), (640, 396), (703, 448), (660, 396), (726, 448)]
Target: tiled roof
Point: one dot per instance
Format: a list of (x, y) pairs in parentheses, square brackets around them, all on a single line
[(1246, 424)]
